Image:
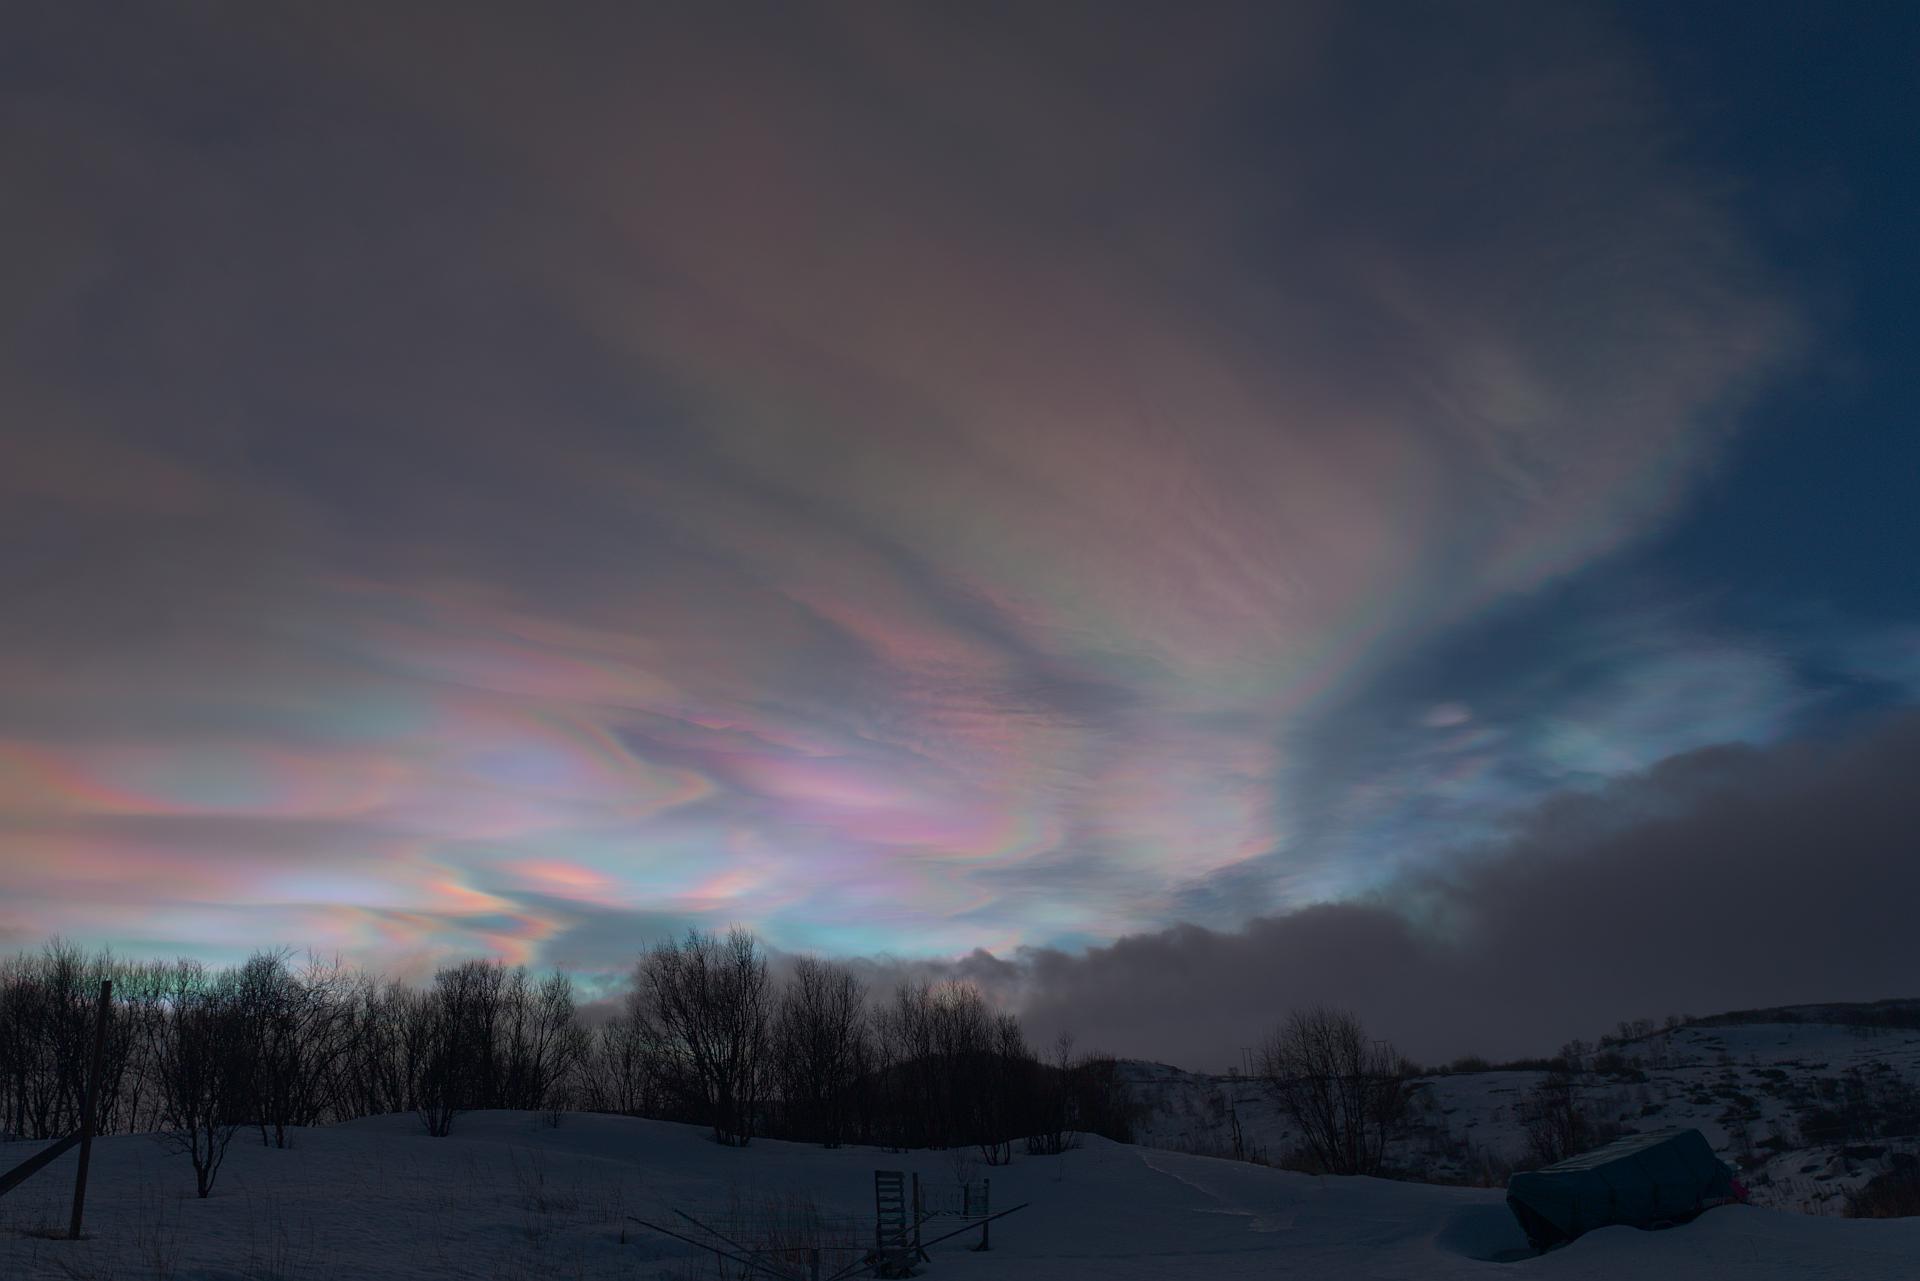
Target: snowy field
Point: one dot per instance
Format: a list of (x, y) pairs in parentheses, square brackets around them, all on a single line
[(508, 1197)]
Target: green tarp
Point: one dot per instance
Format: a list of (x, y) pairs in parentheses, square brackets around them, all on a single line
[(1643, 1180)]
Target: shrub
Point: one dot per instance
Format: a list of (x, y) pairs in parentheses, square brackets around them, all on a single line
[(1894, 1195)]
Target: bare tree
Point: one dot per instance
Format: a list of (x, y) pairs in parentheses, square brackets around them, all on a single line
[(452, 1035), (1053, 1103), (386, 1041), (954, 1072), (18, 1036), (817, 1035), (906, 1086), (623, 1069), (37, 1079), (705, 1002), (1345, 1091), (1558, 1124), (46, 1035), (705, 1036), (539, 1048), (203, 1076), (1003, 1097), (298, 1033), (1102, 1103)]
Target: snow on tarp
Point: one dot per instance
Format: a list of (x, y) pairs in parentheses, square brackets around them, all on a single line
[(1642, 1180)]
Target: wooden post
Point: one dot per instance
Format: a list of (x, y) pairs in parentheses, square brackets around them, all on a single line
[(918, 1215), (986, 1207), (813, 1264), (90, 1106)]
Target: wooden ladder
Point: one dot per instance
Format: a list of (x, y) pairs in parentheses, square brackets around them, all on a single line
[(890, 1220)]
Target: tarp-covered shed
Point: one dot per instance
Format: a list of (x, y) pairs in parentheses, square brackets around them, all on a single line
[(1643, 1180)]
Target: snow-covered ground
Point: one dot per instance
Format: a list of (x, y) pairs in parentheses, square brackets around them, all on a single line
[(507, 1197), (1798, 1090)]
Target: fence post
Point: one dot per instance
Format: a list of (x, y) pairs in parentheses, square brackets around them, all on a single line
[(90, 1107), (918, 1215), (813, 1264), (986, 1207)]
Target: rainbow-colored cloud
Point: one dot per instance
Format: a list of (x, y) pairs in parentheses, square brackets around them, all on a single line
[(846, 474)]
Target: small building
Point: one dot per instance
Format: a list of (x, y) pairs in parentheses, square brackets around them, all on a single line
[(1644, 1181)]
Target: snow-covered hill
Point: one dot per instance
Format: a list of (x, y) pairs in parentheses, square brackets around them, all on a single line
[(1807, 1110), (506, 1197)]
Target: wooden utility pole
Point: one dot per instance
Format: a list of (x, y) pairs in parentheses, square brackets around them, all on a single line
[(90, 1106)]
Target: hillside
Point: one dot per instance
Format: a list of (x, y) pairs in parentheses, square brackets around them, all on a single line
[(1809, 1102), (509, 1199)]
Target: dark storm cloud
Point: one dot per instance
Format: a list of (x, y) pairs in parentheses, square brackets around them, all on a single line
[(1722, 879)]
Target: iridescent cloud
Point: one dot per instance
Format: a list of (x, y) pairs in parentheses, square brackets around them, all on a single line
[(901, 484)]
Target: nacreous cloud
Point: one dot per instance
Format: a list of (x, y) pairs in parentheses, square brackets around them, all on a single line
[(896, 476)]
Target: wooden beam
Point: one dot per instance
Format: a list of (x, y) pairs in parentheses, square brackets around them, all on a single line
[(34, 1164)]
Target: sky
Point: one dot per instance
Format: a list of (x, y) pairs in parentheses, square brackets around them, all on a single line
[(1045, 493)]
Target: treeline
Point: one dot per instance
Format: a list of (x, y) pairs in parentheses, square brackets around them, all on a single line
[(705, 1034), (1899, 1013)]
